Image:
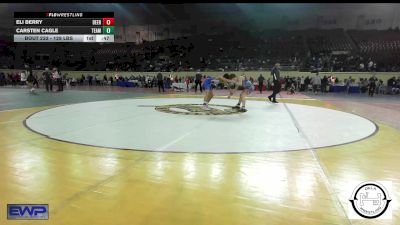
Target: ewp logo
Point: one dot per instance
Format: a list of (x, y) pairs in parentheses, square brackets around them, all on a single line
[(27, 212)]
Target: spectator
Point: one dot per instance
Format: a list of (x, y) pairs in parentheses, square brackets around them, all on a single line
[(14, 79), (363, 85), (324, 84), (372, 85), (361, 67), (97, 80), (2, 79), (111, 81), (47, 80), (307, 82), (391, 84), (260, 83), (370, 65), (90, 78), (57, 78), (348, 84), (35, 80), (380, 88), (187, 81), (160, 82), (396, 86), (105, 79), (82, 80), (23, 79), (30, 79), (316, 82)]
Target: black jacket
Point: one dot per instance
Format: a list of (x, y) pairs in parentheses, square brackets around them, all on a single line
[(198, 77), (159, 77), (275, 74), (47, 75)]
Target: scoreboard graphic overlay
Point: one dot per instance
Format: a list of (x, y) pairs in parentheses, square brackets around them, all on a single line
[(64, 26)]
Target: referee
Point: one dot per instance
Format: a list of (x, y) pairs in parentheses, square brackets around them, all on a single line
[(276, 81)]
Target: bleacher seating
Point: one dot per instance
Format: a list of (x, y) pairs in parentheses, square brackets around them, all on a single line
[(327, 40), (236, 50), (370, 41)]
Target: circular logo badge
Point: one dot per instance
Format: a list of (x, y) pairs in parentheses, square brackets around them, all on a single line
[(198, 109), (370, 199)]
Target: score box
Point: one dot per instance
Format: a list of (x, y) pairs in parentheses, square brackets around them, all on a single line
[(98, 38), (104, 38), (108, 21), (108, 30)]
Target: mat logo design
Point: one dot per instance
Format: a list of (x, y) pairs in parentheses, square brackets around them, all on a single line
[(197, 109), (27, 212), (370, 200)]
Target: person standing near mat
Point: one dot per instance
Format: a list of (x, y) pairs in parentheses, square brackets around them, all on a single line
[(276, 78), (160, 82), (30, 81), (36, 80), (198, 82), (372, 85), (316, 82), (23, 79), (62, 78), (57, 78), (260, 83), (47, 79)]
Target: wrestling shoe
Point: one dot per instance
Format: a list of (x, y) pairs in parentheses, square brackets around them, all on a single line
[(205, 107), (242, 110)]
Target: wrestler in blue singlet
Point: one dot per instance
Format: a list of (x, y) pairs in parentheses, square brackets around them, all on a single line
[(208, 83), (248, 85)]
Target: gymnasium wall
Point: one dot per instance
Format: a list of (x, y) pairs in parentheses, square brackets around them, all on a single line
[(341, 75)]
